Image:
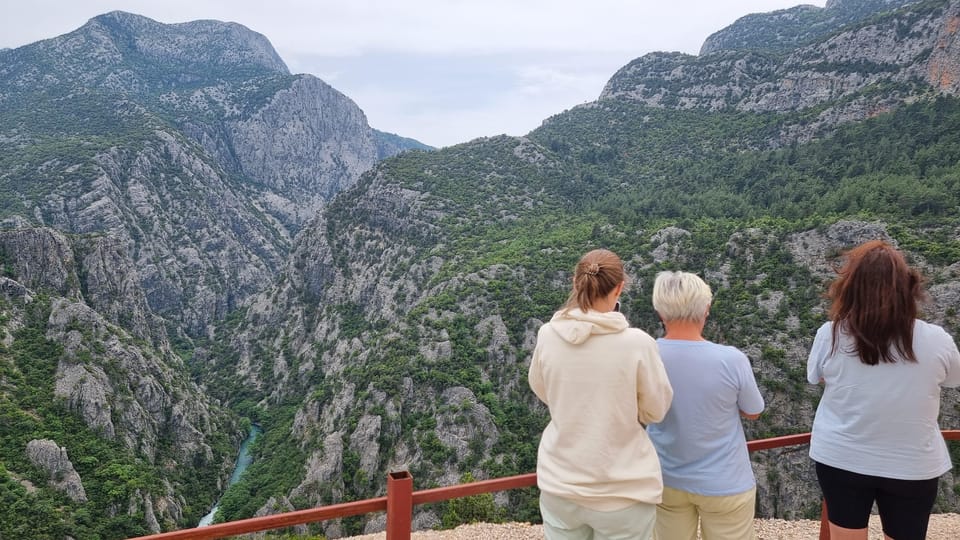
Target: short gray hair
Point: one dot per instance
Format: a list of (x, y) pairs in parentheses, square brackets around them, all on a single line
[(681, 296)]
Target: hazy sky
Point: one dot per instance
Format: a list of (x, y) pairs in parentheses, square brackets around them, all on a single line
[(441, 71)]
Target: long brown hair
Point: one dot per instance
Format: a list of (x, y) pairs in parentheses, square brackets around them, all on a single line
[(597, 273), (875, 300)]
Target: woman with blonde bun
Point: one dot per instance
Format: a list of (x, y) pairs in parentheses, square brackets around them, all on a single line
[(602, 380)]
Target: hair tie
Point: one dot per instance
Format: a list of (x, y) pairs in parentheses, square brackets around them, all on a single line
[(593, 269)]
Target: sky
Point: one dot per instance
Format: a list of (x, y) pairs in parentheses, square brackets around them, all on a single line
[(440, 71)]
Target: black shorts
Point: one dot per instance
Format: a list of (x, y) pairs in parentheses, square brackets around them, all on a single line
[(904, 505)]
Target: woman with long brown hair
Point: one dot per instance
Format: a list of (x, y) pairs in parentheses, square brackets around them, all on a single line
[(875, 435), (597, 471)]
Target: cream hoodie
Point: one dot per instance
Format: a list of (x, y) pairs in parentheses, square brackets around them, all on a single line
[(602, 380)]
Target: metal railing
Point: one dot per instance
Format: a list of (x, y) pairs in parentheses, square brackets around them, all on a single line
[(400, 500)]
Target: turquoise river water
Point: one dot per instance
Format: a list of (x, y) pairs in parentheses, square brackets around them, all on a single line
[(243, 461)]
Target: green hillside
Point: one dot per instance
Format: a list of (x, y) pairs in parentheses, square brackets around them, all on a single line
[(501, 221)]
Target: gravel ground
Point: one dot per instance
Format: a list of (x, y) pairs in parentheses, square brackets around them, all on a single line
[(942, 527)]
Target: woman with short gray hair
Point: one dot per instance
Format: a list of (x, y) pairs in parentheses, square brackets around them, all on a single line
[(707, 478)]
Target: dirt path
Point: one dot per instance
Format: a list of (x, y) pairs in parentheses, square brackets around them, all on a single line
[(942, 527)]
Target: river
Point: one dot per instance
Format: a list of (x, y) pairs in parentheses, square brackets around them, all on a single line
[(243, 461)]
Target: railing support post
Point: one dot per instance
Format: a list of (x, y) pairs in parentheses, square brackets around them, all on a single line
[(824, 522), (399, 505)]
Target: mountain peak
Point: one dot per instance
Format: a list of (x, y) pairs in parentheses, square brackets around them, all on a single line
[(126, 53), (872, 5), (195, 43), (787, 29)]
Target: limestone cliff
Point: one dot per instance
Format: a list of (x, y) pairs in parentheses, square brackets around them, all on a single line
[(385, 402), (860, 70), (787, 29), (125, 387), (392, 330), (189, 145)]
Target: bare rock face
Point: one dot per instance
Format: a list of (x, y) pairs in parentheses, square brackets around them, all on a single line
[(93, 344), (220, 156), (943, 68), (945, 297), (668, 242), (834, 67), (302, 144), (786, 29), (50, 457), (309, 140), (13, 293), (464, 425), (179, 228), (116, 371), (41, 259), (817, 250), (152, 407), (97, 268), (786, 484), (149, 515), (112, 288)]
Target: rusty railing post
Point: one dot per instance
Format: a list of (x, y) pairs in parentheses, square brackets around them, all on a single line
[(824, 522), (399, 505)]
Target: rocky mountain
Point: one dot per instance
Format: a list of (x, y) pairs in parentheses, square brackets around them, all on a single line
[(787, 29), (152, 178), (393, 329), (126, 434), (391, 144), (866, 69), (191, 144), (408, 312)]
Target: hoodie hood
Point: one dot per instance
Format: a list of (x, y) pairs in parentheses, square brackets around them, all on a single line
[(576, 326)]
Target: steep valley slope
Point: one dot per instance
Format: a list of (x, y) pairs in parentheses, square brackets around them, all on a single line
[(400, 335)]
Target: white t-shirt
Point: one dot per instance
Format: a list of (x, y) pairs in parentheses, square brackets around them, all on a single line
[(882, 420)]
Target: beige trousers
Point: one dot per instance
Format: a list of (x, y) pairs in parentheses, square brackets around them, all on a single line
[(728, 517), (566, 520)]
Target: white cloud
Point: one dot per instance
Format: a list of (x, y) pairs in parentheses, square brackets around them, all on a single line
[(536, 81), (349, 27)]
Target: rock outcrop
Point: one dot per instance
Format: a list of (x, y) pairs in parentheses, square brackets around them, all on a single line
[(856, 70), (397, 332), (41, 259), (53, 460), (125, 385), (787, 29)]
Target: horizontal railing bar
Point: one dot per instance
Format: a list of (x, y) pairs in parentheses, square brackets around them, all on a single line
[(474, 488), (302, 517), (778, 442), (276, 521)]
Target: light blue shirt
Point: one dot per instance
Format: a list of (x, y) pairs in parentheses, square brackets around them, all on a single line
[(700, 442), (882, 420)]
